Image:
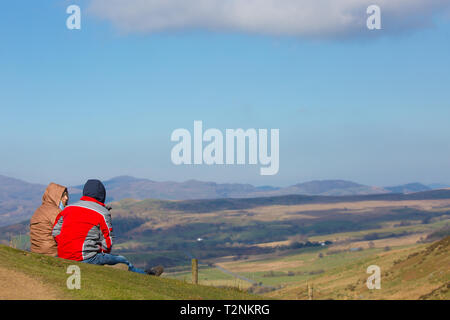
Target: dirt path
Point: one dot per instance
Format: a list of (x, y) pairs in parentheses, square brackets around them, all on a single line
[(18, 286)]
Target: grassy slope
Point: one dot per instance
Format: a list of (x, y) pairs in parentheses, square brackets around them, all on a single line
[(335, 275), (413, 272), (99, 282)]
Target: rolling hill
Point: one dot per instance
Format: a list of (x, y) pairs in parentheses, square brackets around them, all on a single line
[(412, 272), (166, 232), (129, 187), (19, 199), (409, 188), (408, 272), (327, 188)]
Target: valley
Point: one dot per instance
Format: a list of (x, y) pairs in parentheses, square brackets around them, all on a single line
[(276, 246)]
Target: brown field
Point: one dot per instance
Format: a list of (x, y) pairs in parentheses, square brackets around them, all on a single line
[(357, 207), (275, 265), (380, 243), (168, 219)]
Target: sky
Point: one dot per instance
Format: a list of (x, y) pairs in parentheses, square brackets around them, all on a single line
[(371, 106)]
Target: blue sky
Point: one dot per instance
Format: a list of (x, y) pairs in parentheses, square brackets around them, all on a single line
[(103, 101)]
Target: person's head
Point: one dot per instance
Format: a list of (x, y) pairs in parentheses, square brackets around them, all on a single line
[(65, 198), (55, 195), (95, 189)]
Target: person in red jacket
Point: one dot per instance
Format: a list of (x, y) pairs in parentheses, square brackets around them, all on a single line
[(83, 231)]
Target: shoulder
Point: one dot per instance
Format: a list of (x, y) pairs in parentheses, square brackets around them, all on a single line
[(90, 206), (45, 212)]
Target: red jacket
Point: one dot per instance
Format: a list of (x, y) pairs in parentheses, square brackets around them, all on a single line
[(83, 229)]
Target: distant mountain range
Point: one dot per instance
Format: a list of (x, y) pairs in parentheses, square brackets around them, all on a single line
[(19, 199), (410, 188)]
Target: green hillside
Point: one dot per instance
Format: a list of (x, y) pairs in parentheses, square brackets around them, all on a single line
[(21, 268), (410, 272)]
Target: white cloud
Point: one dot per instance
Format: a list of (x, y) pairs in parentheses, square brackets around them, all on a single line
[(309, 18)]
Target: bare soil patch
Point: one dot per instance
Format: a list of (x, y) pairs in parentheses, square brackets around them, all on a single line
[(18, 286)]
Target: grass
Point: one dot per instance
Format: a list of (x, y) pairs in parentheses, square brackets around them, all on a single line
[(98, 282), (294, 268), (211, 276), (410, 272)]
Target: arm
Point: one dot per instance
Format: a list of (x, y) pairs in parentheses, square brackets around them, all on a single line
[(107, 233), (56, 231)]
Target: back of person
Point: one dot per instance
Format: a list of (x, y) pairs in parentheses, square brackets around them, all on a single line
[(83, 229), (43, 219)]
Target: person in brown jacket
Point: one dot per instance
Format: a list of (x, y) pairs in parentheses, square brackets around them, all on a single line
[(54, 200)]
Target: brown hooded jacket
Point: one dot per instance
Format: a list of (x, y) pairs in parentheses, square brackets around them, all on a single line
[(41, 223)]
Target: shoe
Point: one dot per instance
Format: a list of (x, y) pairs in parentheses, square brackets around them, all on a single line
[(155, 271)]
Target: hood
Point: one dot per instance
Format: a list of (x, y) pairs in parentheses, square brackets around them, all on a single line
[(53, 194), (95, 189)]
